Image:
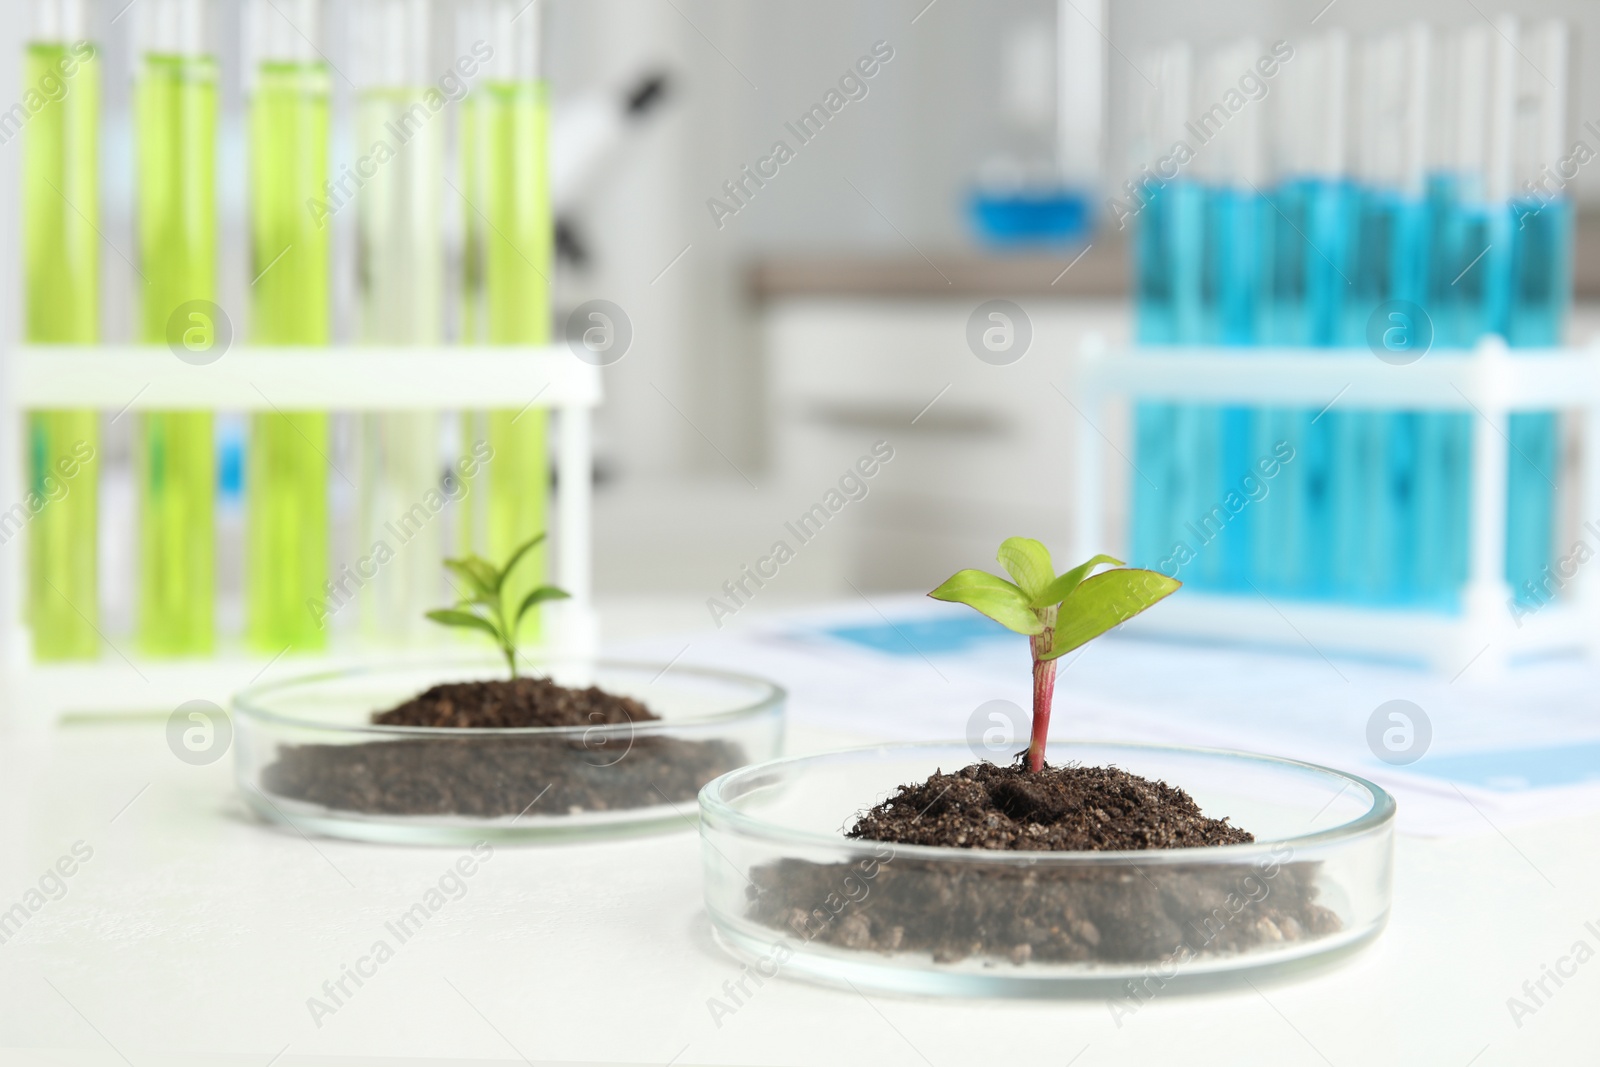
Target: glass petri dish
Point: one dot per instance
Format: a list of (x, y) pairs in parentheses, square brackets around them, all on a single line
[(787, 892), (307, 754)]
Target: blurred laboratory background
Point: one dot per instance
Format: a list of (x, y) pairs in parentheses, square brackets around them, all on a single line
[(800, 207)]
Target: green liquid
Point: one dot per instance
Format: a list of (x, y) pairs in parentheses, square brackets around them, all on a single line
[(61, 210), (401, 297), (509, 237), (176, 112), (287, 476)]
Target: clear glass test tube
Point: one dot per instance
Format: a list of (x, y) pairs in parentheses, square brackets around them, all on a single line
[(1460, 289), (508, 253), (1388, 281), (1284, 318), (1220, 450), (61, 256), (291, 209), (400, 128), (1539, 289), (1308, 292), (175, 94), (1167, 266)]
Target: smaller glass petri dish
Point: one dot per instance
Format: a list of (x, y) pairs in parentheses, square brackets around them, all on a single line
[(787, 892), (307, 754)]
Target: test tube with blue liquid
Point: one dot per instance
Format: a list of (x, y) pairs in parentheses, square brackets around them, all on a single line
[(1307, 288), (1384, 313), (1167, 266), (1229, 168), (1538, 291), (1467, 248)]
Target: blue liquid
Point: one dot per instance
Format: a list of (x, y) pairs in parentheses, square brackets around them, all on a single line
[(1154, 324), (1231, 249), (1168, 272), (1308, 295), (1536, 305), (1231, 252), (1285, 320), (1456, 290), (1196, 278), (1376, 541), (1360, 507), (1221, 266), (1029, 216), (1151, 515), (230, 461), (1398, 542), (1374, 506)]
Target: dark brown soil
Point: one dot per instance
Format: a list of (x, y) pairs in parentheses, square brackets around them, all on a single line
[(1158, 914), (1058, 808), (508, 703), (488, 776)]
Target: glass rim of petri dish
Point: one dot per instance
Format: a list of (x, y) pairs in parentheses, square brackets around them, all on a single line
[(718, 809), (250, 702)]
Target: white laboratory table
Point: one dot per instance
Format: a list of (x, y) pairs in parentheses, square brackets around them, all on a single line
[(193, 935)]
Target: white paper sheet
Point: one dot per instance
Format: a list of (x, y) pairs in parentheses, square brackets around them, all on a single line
[(1523, 748)]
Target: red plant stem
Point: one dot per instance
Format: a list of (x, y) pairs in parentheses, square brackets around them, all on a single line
[(1044, 691)]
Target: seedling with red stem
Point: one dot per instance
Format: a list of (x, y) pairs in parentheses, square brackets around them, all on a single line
[(1057, 612)]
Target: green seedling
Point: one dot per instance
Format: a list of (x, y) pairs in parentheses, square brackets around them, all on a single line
[(485, 608), (1058, 612)]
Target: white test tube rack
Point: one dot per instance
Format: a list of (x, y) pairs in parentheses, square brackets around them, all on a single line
[(1489, 381), (130, 378)]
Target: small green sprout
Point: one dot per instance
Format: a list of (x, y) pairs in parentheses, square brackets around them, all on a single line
[(1058, 612), (485, 609)]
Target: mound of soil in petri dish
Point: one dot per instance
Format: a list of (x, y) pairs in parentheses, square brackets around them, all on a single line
[(1119, 913), (1076, 809), (509, 703), (484, 775)]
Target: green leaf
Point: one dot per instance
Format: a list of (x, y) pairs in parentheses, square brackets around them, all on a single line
[(477, 573), (1062, 587), (1027, 561), (516, 557), (465, 620), (995, 597), (538, 596), (1104, 602)]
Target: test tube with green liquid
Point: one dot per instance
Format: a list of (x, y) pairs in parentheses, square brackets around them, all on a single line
[(291, 209), (399, 155), (175, 106), (61, 255), (508, 245)]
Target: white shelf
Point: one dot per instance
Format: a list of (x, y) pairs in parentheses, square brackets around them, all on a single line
[(384, 379), (1490, 382), (117, 378), (1487, 376), (114, 685), (1450, 643)]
